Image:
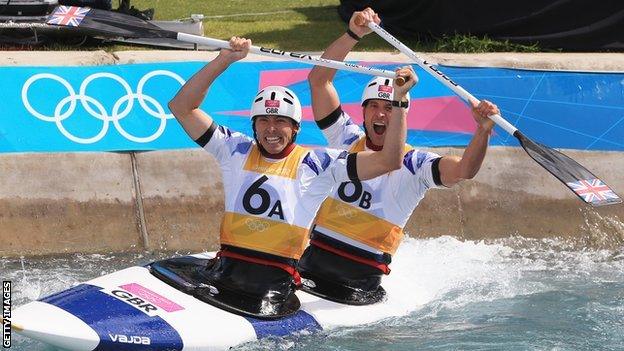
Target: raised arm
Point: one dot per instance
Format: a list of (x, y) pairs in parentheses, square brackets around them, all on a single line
[(185, 105), (454, 169), (371, 164), (324, 96)]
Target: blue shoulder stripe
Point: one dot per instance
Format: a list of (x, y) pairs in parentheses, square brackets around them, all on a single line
[(323, 157), (307, 160), (407, 161), (225, 131), (351, 140), (242, 148)]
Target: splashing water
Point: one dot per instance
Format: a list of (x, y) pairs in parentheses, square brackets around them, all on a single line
[(512, 294)]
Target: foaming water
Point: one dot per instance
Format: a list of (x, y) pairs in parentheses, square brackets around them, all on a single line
[(512, 294)]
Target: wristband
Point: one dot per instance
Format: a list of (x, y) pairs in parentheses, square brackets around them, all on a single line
[(402, 104), (353, 35)]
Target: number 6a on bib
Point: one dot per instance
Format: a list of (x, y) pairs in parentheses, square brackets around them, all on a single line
[(255, 191)]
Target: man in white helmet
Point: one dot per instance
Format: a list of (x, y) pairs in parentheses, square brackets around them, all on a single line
[(273, 189), (360, 225)]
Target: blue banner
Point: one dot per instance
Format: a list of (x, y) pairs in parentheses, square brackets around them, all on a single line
[(124, 107)]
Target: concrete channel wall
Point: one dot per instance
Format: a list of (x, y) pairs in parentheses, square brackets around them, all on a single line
[(173, 200)]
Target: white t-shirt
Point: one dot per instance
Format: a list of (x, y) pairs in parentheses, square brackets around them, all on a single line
[(270, 204)]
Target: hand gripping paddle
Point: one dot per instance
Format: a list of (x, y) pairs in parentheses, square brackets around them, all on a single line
[(577, 178)]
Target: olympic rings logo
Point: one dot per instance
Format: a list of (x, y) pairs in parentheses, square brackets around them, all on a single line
[(100, 112), (257, 225), (348, 213)]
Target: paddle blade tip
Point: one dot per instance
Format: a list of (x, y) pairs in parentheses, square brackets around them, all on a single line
[(594, 192), (602, 203), (67, 16)]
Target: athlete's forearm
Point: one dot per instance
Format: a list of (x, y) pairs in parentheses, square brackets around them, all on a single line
[(338, 50), (185, 105), (193, 93), (396, 131), (473, 156), (396, 134)]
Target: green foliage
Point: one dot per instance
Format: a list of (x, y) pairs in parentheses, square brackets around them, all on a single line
[(301, 25), (294, 25), (473, 44)]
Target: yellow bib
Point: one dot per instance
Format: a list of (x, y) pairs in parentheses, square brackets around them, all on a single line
[(264, 232), (358, 224)]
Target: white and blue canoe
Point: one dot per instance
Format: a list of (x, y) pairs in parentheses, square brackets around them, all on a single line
[(132, 309)]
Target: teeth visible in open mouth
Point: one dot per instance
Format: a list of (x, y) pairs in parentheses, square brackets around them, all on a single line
[(379, 124), (272, 140)]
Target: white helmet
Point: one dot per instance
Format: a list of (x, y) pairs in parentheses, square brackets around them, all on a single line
[(276, 101), (379, 88)]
